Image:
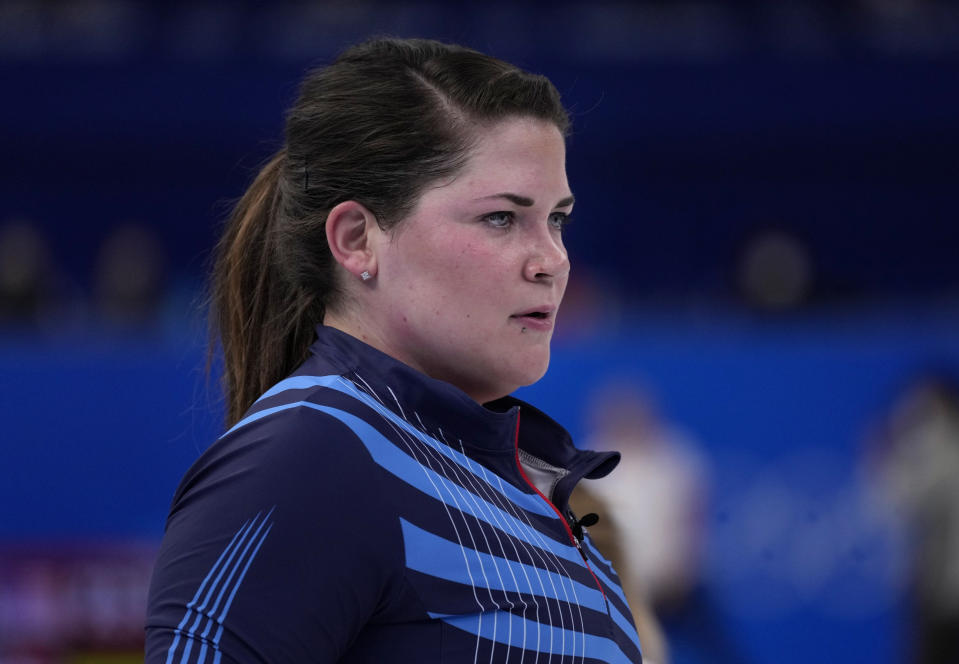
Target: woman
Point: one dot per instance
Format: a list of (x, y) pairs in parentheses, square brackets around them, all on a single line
[(392, 274)]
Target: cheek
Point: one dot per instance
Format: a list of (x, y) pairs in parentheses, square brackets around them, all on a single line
[(439, 283), (563, 285), (466, 268), (453, 276)]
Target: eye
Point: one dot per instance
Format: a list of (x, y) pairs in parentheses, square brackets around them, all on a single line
[(559, 220), (502, 219)]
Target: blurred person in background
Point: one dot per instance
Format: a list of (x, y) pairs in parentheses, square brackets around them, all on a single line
[(27, 274), (657, 498), (607, 535), (390, 277), (130, 276), (917, 459), (657, 502), (775, 271)]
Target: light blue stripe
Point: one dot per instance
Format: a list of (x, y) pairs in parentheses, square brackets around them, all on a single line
[(623, 621), (397, 462), (624, 624), (439, 557), (229, 602), (229, 552), (529, 502), (254, 417), (596, 552), (189, 607), (612, 585), (239, 562), (226, 607), (201, 610), (186, 651), (565, 642), (302, 383)]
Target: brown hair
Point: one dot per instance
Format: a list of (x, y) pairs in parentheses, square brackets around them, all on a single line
[(385, 120)]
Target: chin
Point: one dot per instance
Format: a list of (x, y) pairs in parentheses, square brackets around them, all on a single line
[(502, 381), (504, 389), (532, 375)]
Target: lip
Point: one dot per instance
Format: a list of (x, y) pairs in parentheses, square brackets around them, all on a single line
[(541, 323)]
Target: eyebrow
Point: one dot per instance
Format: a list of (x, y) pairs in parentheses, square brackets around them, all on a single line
[(524, 201)]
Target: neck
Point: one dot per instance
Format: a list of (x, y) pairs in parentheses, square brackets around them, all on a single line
[(352, 327), (358, 330)]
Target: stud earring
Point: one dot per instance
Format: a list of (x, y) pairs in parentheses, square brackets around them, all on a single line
[(365, 275)]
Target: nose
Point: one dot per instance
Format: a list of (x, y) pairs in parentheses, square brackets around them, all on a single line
[(547, 260)]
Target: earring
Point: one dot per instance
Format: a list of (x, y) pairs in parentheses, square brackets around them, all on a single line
[(365, 275)]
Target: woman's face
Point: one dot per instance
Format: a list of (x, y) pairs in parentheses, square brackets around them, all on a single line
[(468, 285)]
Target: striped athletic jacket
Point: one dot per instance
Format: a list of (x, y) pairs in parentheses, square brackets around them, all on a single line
[(363, 512)]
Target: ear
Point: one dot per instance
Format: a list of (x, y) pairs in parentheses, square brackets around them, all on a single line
[(350, 231)]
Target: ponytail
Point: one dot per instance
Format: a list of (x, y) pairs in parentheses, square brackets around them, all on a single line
[(264, 322)]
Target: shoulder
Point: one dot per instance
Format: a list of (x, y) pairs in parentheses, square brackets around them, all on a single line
[(304, 446), (288, 465), (287, 507)]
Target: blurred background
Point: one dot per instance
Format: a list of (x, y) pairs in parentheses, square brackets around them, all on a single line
[(763, 313)]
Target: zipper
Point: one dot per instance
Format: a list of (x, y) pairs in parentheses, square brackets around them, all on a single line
[(562, 519)]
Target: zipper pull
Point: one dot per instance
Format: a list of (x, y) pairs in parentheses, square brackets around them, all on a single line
[(577, 525)]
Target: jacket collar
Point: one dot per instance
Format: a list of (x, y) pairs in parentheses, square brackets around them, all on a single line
[(440, 406)]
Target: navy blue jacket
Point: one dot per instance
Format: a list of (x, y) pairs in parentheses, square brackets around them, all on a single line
[(363, 512)]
